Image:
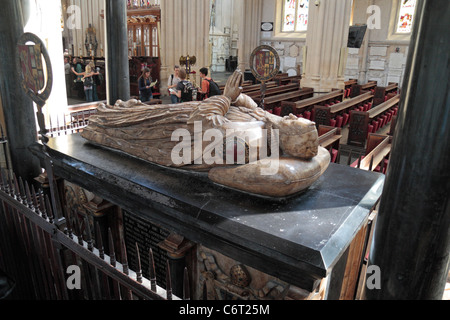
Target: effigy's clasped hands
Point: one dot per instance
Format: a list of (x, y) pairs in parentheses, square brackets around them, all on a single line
[(240, 145)]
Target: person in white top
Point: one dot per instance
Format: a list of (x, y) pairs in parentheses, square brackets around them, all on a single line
[(172, 83)]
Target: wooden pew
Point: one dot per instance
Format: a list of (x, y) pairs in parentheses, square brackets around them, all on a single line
[(280, 76), (286, 79), (257, 87), (304, 108), (329, 138), (274, 90), (274, 102), (356, 89), (382, 94), (364, 122), (245, 84), (377, 153), (348, 87), (393, 123), (339, 114), (371, 85)]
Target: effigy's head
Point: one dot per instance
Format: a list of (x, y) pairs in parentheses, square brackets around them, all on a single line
[(298, 137)]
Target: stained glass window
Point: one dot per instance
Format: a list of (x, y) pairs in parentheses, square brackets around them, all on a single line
[(295, 15), (406, 16)]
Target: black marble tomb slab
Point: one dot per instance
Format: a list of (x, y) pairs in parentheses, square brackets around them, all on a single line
[(298, 239)]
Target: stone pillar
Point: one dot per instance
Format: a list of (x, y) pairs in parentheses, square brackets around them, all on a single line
[(17, 107), (184, 31), (411, 243), (326, 43), (249, 35), (117, 68)]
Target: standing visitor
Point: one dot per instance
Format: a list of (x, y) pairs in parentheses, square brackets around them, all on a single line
[(88, 82), (174, 79), (77, 69), (184, 88), (145, 86), (208, 87)]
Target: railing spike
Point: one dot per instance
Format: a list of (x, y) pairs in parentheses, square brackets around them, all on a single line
[(51, 127), (186, 286), (28, 196), (152, 271), (2, 183), (49, 209), (16, 187), (69, 225), (5, 182), (42, 204), (35, 200), (4, 179), (124, 258), (139, 267), (22, 191), (11, 183), (89, 240), (57, 124), (99, 241), (79, 225), (112, 254), (65, 125), (168, 281)]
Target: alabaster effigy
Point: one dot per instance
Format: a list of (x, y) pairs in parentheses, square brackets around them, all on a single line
[(240, 145)]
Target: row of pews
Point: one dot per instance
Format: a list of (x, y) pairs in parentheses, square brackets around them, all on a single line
[(375, 156), (363, 122)]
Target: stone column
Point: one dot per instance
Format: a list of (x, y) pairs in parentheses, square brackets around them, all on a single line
[(117, 68), (249, 35), (326, 42), (184, 31), (411, 243), (17, 107)]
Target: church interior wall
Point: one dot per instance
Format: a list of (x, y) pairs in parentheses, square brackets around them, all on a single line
[(383, 55), (224, 32), (87, 12), (288, 45), (381, 58)]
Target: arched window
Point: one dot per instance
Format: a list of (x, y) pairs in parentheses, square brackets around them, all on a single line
[(405, 17), (295, 15)]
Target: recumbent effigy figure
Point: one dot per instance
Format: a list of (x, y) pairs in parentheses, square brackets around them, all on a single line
[(281, 155)]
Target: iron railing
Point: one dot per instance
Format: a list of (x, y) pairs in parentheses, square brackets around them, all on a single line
[(37, 250)]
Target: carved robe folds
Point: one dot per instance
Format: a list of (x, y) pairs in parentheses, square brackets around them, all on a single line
[(280, 156)]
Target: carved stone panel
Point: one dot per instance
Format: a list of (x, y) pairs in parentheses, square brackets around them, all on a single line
[(222, 278)]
